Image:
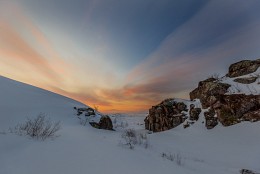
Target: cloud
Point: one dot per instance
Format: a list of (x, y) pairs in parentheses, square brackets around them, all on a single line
[(15, 47), (213, 38)]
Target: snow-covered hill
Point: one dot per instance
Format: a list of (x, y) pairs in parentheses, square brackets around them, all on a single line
[(83, 149)]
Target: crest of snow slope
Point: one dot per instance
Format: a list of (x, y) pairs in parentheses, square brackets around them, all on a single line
[(239, 88), (20, 101), (81, 150)]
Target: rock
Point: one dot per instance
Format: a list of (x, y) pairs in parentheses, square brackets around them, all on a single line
[(243, 67), (186, 125), (208, 91), (91, 111), (194, 112), (166, 115), (246, 80), (87, 111), (95, 125), (233, 108), (211, 120), (230, 109), (246, 171), (252, 116), (105, 123)]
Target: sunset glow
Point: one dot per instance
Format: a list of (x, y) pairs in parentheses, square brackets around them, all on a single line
[(122, 57)]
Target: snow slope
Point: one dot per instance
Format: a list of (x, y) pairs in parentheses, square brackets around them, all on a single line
[(83, 149)]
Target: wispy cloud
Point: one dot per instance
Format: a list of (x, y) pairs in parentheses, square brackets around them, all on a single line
[(16, 35), (209, 41), (221, 33)]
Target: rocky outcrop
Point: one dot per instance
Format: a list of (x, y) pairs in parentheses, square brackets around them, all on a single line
[(246, 80), (224, 101), (243, 67), (208, 91), (229, 108), (166, 115), (169, 114)]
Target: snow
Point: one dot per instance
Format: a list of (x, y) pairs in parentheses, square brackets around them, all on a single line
[(83, 149), (239, 88)]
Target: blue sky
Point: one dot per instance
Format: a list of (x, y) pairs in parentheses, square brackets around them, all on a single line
[(125, 55)]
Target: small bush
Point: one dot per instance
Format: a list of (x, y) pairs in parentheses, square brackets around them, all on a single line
[(38, 128), (132, 138)]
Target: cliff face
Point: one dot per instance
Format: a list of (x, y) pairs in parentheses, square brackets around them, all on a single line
[(228, 100)]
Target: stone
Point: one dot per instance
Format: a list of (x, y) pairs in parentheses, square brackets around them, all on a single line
[(252, 116), (186, 125), (166, 115), (194, 112), (211, 120), (95, 125), (208, 91), (246, 80), (87, 111), (233, 109), (246, 171), (105, 123), (243, 67)]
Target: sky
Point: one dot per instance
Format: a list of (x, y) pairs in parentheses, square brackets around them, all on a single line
[(121, 55)]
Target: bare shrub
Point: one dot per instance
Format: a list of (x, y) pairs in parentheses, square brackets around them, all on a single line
[(96, 107), (132, 138), (177, 158), (39, 128)]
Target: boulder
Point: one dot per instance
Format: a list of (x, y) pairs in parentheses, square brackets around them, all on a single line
[(105, 123), (246, 80), (243, 67), (166, 115), (208, 91)]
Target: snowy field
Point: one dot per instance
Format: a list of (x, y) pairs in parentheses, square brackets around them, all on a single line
[(82, 149)]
